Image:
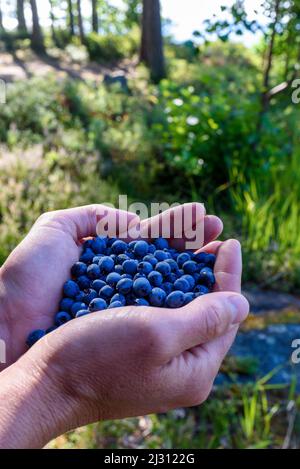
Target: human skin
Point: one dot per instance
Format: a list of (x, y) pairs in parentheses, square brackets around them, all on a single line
[(118, 363)]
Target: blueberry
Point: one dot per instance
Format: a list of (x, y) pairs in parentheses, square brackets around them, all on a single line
[(140, 248), (119, 269), (168, 287), (163, 267), (65, 304), (113, 278), (157, 296), (106, 264), (130, 266), (161, 255), (142, 287), (34, 336), (98, 284), (210, 260), (87, 244), (141, 302), (172, 264), (119, 246), (93, 271), (87, 256), (131, 245), (96, 259), (190, 279), (61, 318), (155, 278), (70, 289), (144, 268), (126, 276), (161, 243), (124, 286), (78, 269), (138, 275), (182, 284), (79, 297), (110, 241), (121, 258), (50, 329), (200, 290), (200, 257), (182, 258), (151, 248), (106, 292), (118, 297), (115, 304), (89, 295), (172, 277), (188, 297), (130, 299), (207, 277), (82, 312), (175, 299), (98, 245), (97, 304), (83, 282), (150, 258), (77, 307), (190, 267)]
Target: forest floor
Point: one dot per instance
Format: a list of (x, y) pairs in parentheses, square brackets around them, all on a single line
[(25, 64)]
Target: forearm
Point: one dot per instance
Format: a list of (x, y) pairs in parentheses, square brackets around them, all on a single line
[(5, 336), (32, 412)]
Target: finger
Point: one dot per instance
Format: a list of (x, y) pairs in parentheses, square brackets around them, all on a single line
[(89, 220), (228, 266), (202, 321), (213, 227)]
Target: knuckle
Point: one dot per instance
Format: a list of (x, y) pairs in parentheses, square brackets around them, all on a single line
[(213, 322), (150, 338)]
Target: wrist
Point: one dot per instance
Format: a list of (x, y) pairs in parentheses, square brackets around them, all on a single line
[(32, 408), (5, 332)]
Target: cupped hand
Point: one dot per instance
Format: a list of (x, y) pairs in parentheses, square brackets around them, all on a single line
[(32, 277)]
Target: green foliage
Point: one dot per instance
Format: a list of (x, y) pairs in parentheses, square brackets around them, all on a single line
[(110, 47)]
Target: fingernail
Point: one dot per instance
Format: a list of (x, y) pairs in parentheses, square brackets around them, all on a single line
[(239, 308)]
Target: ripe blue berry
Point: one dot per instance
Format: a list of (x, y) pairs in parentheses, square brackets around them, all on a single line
[(77, 307), (79, 268), (144, 268), (140, 248), (119, 269), (161, 243), (97, 285), (87, 256), (70, 289), (155, 278), (118, 297), (89, 295), (200, 290), (188, 297), (61, 318), (119, 246), (82, 312), (160, 255), (172, 277), (200, 257), (168, 287), (97, 304), (182, 284), (163, 267), (130, 266), (175, 299), (190, 267), (190, 279), (93, 271), (115, 304), (173, 264), (113, 278), (65, 304), (157, 296), (207, 277), (182, 258), (124, 286), (210, 260), (50, 329), (141, 302), (106, 264), (34, 336), (142, 287), (106, 292), (151, 248), (83, 282), (150, 258), (98, 245)]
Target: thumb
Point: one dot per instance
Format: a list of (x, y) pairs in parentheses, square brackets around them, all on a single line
[(206, 318)]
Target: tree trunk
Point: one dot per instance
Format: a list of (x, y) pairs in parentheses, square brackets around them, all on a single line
[(37, 39), (71, 18), (151, 52), (1, 20), (95, 19), (80, 22), (52, 19), (21, 17)]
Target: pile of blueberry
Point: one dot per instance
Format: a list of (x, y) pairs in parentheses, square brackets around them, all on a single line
[(112, 273)]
